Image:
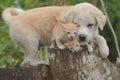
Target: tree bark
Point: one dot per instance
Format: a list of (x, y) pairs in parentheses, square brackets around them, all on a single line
[(40, 72), (66, 65)]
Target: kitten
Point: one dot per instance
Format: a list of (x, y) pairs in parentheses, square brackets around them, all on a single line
[(62, 32)]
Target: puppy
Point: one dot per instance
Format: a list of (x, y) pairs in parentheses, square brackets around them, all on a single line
[(62, 32), (32, 29), (89, 19)]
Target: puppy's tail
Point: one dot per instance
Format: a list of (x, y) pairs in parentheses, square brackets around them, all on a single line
[(9, 14)]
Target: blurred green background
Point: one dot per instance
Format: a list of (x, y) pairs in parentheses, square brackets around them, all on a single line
[(11, 56)]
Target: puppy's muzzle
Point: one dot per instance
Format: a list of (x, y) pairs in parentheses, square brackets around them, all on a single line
[(82, 37)]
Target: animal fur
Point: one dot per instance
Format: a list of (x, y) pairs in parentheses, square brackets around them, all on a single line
[(33, 28)]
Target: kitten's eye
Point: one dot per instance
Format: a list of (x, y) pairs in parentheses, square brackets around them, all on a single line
[(77, 45), (90, 25), (68, 32)]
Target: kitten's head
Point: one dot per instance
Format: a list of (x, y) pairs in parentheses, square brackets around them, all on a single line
[(73, 45), (70, 29)]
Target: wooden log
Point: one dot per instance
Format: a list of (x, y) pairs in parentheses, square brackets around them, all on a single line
[(66, 65), (40, 72)]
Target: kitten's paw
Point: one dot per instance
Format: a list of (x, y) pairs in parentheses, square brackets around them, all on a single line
[(61, 47), (90, 48)]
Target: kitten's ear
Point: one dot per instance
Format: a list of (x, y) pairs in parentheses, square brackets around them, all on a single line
[(62, 25), (55, 18)]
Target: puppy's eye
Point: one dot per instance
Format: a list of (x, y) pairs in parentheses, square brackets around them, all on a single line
[(78, 25), (71, 48), (75, 33), (90, 25)]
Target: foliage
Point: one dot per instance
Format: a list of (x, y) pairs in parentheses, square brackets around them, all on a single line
[(113, 13), (11, 56)]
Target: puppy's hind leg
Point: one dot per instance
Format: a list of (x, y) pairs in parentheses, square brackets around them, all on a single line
[(31, 48)]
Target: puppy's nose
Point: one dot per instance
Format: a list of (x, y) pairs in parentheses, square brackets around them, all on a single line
[(82, 37)]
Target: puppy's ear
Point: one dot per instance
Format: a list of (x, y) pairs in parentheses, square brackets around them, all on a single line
[(101, 19), (70, 15)]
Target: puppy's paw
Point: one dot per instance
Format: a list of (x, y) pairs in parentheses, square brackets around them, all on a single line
[(103, 47), (33, 62), (104, 52)]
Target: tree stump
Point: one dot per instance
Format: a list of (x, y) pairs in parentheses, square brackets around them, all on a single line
[(66, 65)]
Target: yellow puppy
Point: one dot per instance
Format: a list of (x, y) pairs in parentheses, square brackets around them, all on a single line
[(62, 32), (31, 29)]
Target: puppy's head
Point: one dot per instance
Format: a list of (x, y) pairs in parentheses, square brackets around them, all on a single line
[(88, 19)]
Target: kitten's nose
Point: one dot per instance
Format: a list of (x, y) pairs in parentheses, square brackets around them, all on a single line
[(73, 36), (82, 37)]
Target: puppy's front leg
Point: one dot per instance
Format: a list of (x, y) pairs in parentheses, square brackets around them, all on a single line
[(59, 44), (31, 48), (102, 44)]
